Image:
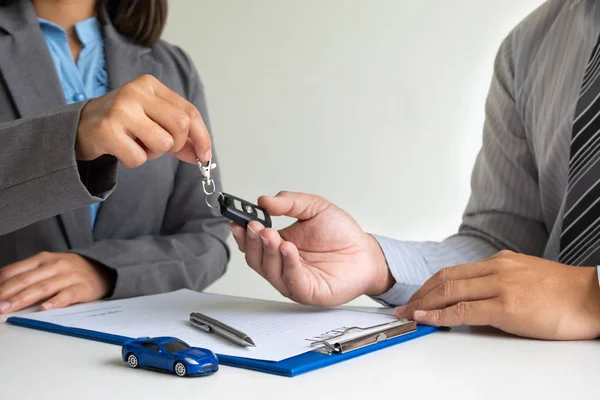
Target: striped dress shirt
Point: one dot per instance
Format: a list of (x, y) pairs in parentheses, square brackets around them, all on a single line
[(519, 180)]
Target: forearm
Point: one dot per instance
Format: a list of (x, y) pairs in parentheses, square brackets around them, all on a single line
[(504, 210), (39, 174), (412, 263), (158, 264)]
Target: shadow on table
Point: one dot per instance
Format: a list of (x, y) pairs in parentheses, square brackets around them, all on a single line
[(117, 362), (484, 331)]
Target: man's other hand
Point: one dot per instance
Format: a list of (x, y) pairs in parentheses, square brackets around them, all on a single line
[(519, 294)]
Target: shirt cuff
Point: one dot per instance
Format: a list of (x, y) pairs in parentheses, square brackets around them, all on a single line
[(408, 267)]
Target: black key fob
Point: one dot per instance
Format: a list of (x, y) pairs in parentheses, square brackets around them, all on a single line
[(242, 212)]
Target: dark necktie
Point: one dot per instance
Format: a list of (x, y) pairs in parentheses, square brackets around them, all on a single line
[(580, 236)]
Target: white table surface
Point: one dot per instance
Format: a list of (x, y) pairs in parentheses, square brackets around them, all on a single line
[(464, 363)]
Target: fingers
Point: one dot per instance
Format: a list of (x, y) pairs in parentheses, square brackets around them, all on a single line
[(296, 205), (152, 136), (26, 279), (239, 234), (152, 123), (69, 295), (39, 291), (127, 150), (293, 274), (174, 121), (263, 254), (54, 273), (187, 153), (272, 265), (198, 133), (459, 272), (155, 116), (18, 268), (482, 312), (254, 246), (450, 293)]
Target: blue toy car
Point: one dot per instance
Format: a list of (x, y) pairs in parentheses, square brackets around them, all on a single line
[(169, 354)]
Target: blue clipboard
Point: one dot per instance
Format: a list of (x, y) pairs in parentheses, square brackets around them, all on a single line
[(289, 367)]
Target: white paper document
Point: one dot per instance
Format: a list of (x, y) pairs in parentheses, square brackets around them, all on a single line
[(280, 330)]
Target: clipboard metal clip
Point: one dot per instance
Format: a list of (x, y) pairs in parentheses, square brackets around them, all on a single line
[(353, 338)]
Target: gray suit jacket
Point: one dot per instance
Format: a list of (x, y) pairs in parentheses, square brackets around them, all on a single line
[(153, 228)]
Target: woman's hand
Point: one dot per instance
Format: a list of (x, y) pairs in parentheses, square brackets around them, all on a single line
[(57, 279), (140, 121)]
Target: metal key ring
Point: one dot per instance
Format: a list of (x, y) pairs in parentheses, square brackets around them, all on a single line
[(208, 203), (211, 184)]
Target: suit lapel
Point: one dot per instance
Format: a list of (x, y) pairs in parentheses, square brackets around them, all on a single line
[(27, 66), (126, 61), (34, 85)]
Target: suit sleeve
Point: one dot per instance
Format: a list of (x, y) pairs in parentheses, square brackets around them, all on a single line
[(504, 210), (39, 174), (191, 252)]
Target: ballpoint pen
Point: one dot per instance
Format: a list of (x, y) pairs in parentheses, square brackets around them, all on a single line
[(211, 325)]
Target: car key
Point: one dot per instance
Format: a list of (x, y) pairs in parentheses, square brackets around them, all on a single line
[(233, 208), (242, 212)]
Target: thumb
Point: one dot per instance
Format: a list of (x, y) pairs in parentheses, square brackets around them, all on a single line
[(187, 153), (295, 205)]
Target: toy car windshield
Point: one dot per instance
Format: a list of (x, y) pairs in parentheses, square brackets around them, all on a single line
[(175, 346)]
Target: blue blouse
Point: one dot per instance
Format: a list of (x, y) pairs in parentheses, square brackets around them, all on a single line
[(86, 78)]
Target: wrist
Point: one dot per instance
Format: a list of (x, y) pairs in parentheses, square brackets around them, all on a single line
[(586, 292), (382, 280), (594, 287), (109, 277), (106, 275), (84, 126)]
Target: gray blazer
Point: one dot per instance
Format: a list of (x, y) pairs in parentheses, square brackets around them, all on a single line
[(153, 228)]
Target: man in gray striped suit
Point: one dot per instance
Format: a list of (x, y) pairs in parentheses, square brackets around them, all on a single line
[(526, 254)]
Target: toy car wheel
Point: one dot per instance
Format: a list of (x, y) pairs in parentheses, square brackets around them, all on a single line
[(133, 361), (180, 369)]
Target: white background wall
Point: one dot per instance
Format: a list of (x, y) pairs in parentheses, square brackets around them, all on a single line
[(377, 105)]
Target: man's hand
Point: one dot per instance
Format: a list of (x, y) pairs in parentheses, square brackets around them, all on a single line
[(58, 279), (518, 294), (140, 121), (323, 259)]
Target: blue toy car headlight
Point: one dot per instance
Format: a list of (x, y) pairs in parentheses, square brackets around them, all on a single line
[(191, 361)]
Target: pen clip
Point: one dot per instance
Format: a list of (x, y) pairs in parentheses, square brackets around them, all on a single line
[(200, 325)]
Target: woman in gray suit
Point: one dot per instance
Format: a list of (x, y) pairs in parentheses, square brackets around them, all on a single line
[(87, 91)]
